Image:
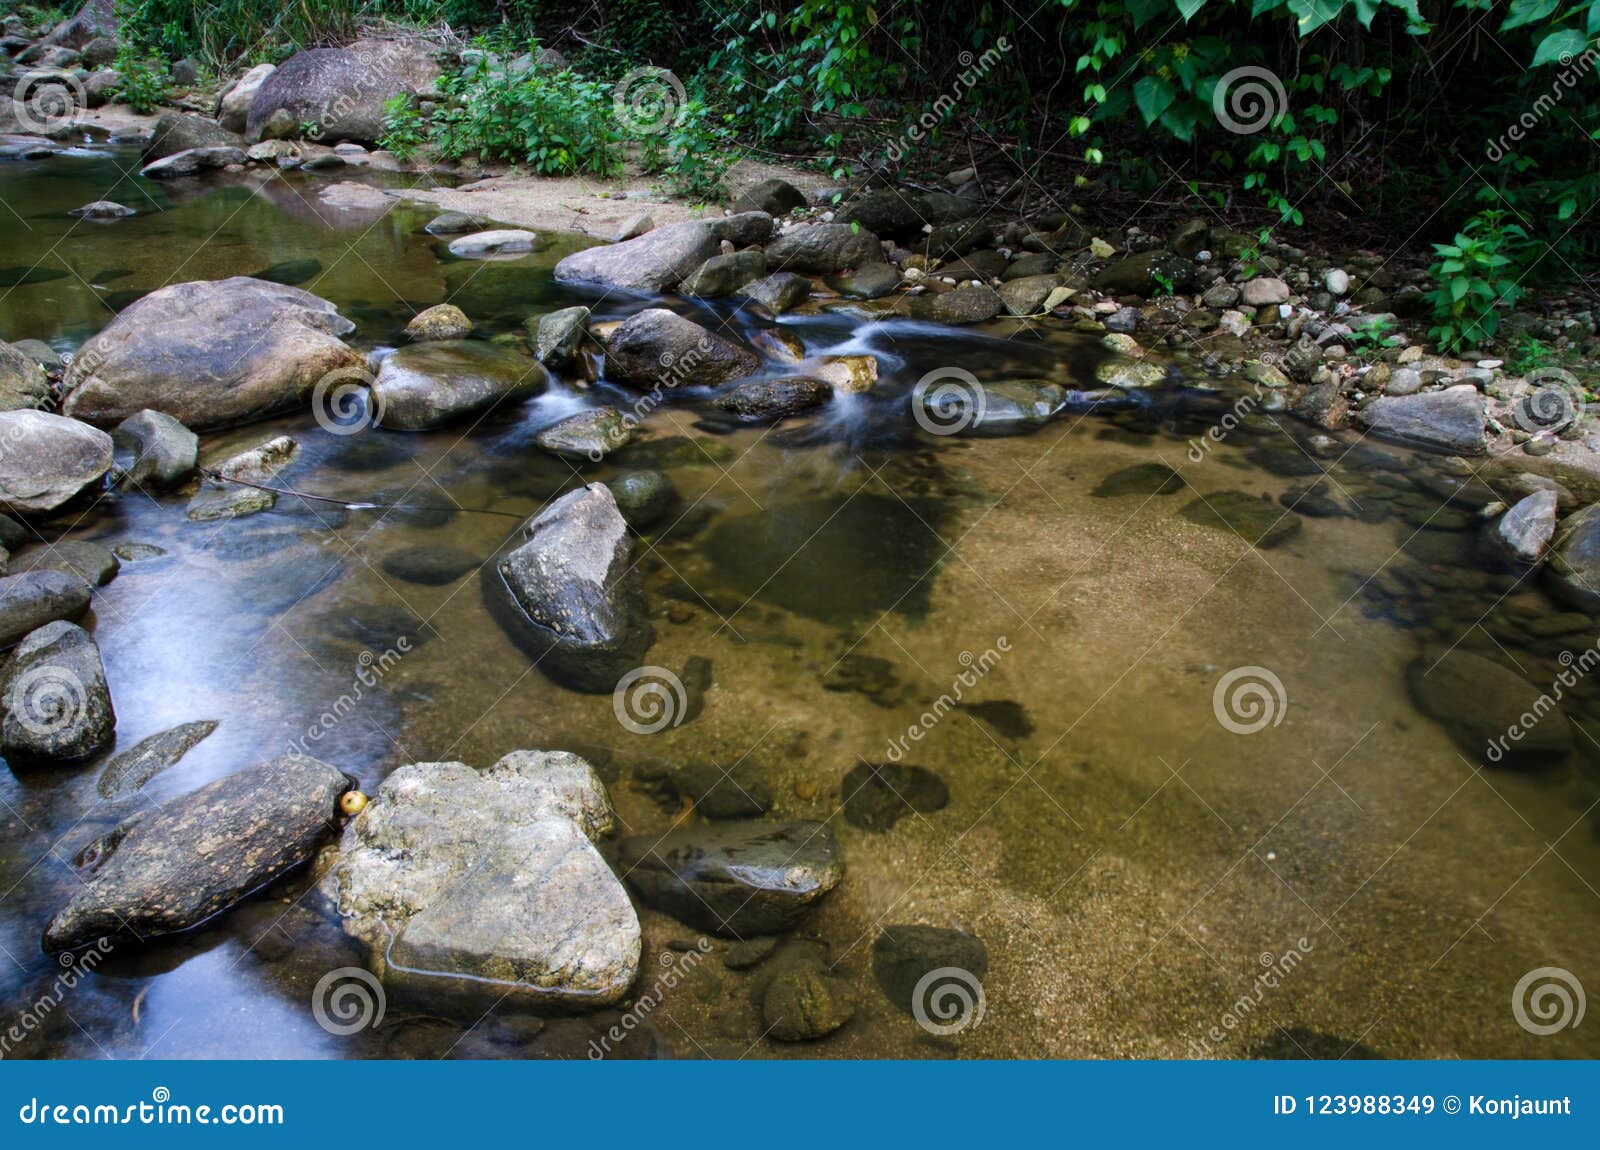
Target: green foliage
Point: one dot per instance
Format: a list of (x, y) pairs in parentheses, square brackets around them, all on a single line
[(1477, 277), (404, 129), (143, 80), (694, 153)]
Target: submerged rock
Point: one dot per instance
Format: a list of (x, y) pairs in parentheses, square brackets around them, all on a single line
[(1573, 573), (47, 460), (577, 597), (1493, 714), (657, 347), (875, 796), (57, 706), (467, 882), (219, 499), (210, 354), (643, 496), (427, 385), (769, 400), (173, 867), (430, 565), (1258, 522), (591, 434), (128, 772), (902, 956), (801, 1001), (736, 880), (1140, 479)]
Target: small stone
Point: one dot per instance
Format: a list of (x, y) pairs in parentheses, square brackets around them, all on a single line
[(442, 321), (875, 797), (803, 1002)]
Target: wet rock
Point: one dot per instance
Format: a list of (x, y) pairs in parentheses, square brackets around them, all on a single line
[(653, 263), (969, 303), (210, 354), (23, 383), (656, 346), (558, 334), (876, 796), (847, 374), (1013, 407), (1573, 573), (902, 956), (1258, 522), (455, 224), (1027, 296), (870, 281), (1130, 374), (778, 293), (1493, 714), (488, 883), (1140, 479), (184, 131), (342, 90), (579, 597), (442, 321), (47, 460), (192, 162), (34, 599), (233, 109), (1146, 274), (775, 197), (736, 880), (802, 1002), (591, 434), (643, 497), (219, 499), (716, 792), (824, 249), (495, 242), (173, 867), (57, 707), (749, 953), (430, 565), (768, 400), (103, 210), (153, 451), (724, 275), (128, 772), (1006, 716), (1264, 374), (430, 384), (94, 563), (1523, 533), (1451, 420), (869, 675)]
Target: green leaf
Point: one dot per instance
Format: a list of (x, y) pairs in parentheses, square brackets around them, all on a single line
[(1528, 12), (1188, 8), (1154, 96), (1560, 46)]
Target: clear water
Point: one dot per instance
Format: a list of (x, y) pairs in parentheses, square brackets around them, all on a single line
[(1131, 865)]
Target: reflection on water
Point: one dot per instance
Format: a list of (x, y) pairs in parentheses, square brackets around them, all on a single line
[(1127, 860)]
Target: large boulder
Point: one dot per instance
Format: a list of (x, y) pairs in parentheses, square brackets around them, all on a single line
[(737, 880), (95, 18), (55, 704), (1449, 420), (23, 382), (180, 131), (1493, 713), (233, 108), (576, 598), (656, 347), (173, 867), (824, 249), (427, 385), (463, 881), (1573, 572), (46, 460), (35, 598), (653, 263), (210, 354), (343, 90)]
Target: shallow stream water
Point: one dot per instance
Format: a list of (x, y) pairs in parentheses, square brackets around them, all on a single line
[(1132, 862)]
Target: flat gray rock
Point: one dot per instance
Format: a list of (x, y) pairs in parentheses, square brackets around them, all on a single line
[(30, 600), (47, 460), (653, 263), (127, 773), (1450, 420), (430, 384)]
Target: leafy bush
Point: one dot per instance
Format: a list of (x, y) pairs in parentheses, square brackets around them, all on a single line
[(1477, 277), (143, 80)]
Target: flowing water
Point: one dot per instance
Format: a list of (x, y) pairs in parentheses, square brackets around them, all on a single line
[(1135, 855)]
